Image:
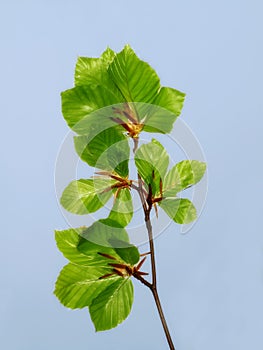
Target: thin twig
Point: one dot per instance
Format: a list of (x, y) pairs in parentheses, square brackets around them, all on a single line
[(147, 207)]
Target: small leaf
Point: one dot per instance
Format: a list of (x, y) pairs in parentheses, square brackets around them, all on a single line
[(136, 80), (77, 285), (109, 150), (122, 210), (112, 305), (152, 161), (86, 196), (183, 175), (181, 210)]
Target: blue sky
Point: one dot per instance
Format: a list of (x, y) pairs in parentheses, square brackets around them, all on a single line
[(211, 279)]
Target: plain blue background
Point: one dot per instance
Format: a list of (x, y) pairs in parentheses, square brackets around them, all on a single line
[(210, 280)]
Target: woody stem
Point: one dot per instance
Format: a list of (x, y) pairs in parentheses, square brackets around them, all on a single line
[(147, 206)]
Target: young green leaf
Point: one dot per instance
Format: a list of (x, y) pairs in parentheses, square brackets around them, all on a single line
[(128, 252), (103, 237), (165, 109), (68, 242), (181, 210), (112, 305), (122, 210), (108, 55), (86, 196), (93, 71), (97, 238), (83, 101), (77, 285), (109, 150), (136, 80), (152, 161), (183, 175), (170, 99)]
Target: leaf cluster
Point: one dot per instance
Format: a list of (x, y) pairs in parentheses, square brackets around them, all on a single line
[(116, 97)]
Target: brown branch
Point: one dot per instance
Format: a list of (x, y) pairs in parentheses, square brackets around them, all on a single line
[(146, 200)]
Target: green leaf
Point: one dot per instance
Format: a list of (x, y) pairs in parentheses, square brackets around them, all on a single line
[(122, 210), (113, 305), (99, 237), (152, 161), (165, 109), (108, 55), (109, 150), (68, 242), (181, 210), (86, 196), (77, 285), (93, 71), (170, 99), (80, 104), (128, 252), (183, 175), (136, 80)]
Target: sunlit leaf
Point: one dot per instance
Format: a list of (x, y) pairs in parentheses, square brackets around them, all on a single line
[(136, 80), (183, 175), (86, 196), (181, 210), (108, 55), (152, 160), (109, 150), (113, 305), (68, 242), (77, 286), (122, 210), (128, 252), (164, 110), (82, 101), (170, 99), (97, 237), (93, 71), (90, 279)]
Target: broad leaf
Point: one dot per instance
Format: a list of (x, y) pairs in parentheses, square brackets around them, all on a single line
[(83, 101), (68, 242), (165, 109), (128, 252), (136, 80), (77, 285), (108, 55), (181, 210), (93, 71), (170, 99), (86, 196), (99, 237), (113, 305), (183, 175), (122, 210), (109, 150), (152, 161)]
